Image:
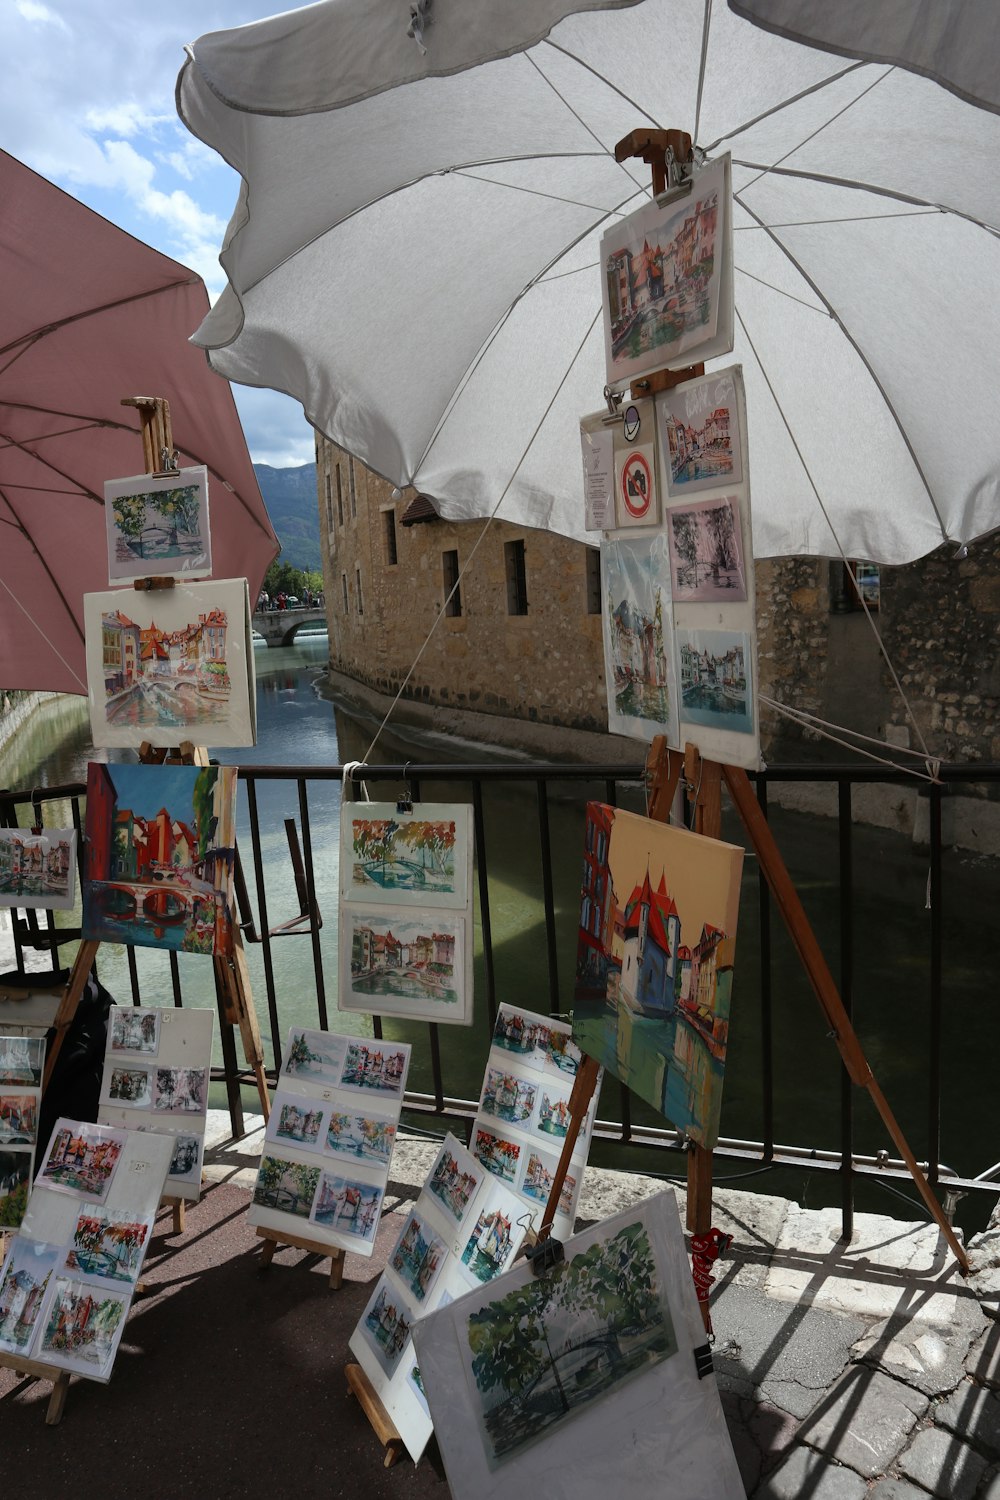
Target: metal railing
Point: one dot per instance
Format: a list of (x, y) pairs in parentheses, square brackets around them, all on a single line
[(539, 788)]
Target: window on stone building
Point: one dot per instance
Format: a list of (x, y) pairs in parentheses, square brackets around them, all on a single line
[(361, 597), (517, 583), (347, 606), (452, 592), (593, 581), (850, 582), (329, 504), (352, 488), (340, 497), (389, 523)]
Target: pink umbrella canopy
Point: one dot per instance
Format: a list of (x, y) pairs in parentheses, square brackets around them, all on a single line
[(89, 316)]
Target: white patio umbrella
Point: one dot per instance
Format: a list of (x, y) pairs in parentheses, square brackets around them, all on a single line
[(414, 255)]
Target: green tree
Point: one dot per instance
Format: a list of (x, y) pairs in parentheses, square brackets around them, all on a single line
[(129, 512)]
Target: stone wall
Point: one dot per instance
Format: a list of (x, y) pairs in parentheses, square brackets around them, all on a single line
[(793, 615)]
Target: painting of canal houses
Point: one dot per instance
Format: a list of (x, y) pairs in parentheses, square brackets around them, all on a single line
[(21, 1060), (18, 1118), (159, 856), (418, 1257), (663, 281), (23, 1284), (539, 1176), (421, 857), (387, 1321), (706, 553), (454, 1181), (347, 1207), (701, 435), (83, 1324), (716, 679), (158, 525), (38, 869), (171, 665), (393, 963), (638, 653), (82, 1158), (655, 963), (296, 1122), (376, 1067), (110, 1245), (498, 1155), (508, 1096), (490, 1246)]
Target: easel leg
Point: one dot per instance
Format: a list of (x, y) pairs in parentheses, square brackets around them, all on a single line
[(267, 1253), (360, 1386), (57, 1401), (67, 1006), (234, 978), (336, 1270), (178, 1208)]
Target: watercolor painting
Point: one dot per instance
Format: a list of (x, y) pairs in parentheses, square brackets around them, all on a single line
[(15, 1183), (134, 1030), (158, 525), (295, 1122), (706, 553), (181, 1090), (716, 682), (543, 1353), (348, 1206), (416, 858), (376, 1067), (552, 1117), (131, 1086), (361, 1137), (18, 1119), (537, 1042), (491, 1243), (700, 436), (452, 1184), (185, 1163), (22, 1059), (655, 959), (159, 856), (83, 1158), (508, 1096), (416, 1386), (287, 1187), (171, 665), (419, 1256), (83, 1326), (638, 655), (661, 279), (38, 869), (315, 1056), (107, 1244), (499, 1156), (539, 1177), (396, 964), (26, 1274), (387, 1322)]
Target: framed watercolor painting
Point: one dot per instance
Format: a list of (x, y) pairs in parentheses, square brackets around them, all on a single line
[(171, 665), (398, 963), (701, 442), (38, 869), (716, 668), (158, 525)]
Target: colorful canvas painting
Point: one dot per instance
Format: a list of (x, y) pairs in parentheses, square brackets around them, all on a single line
[(181, 1090), (706, 553), (131, 1086), (393, 964), (700, 435), (15, 1183), (655, 962), (22, 1059), (158, 526), (490, 1246), (638, 657), (348, 1206), (159, 856), (418, 1257), (134, 1030), (23, 1284), (662, 280), (18, 1118), (110, 1245), (315, 1057), (361, 1137), (418, 858), (287, 1187), (375, 1067), (83, 1158), (387, 1321), (171, 665), (83, 1325), (38, 869), (716, 679), (452, 1183)]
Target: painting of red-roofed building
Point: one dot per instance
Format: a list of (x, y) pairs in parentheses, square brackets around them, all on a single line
[(655, 970)]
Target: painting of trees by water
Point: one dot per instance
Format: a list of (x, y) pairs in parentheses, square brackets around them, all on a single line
[(548, 1350), (158, 525), (420, 857), (706, 552)]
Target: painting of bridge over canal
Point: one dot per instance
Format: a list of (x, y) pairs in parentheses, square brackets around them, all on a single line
[(655, 962), (417, 858), (396, 964), (159, 856), (38, 869)]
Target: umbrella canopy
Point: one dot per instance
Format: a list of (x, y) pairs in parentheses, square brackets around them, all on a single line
[(414, 255), (90, 315)]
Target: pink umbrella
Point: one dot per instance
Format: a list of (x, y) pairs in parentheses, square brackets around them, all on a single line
[(91, 315)]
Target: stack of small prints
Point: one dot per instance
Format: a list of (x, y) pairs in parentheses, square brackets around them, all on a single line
[(70, 1274), (156, 1075), (22, 1061), (524, 1114), (329, 1141), (406, 910), (464, 1230)]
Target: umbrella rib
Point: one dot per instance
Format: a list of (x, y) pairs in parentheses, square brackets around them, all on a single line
[(627, 98), (46, 463), (702, 65), (776, 109), (533, 192), (27, 339), (581, 121), (61, 596), (861, 187)]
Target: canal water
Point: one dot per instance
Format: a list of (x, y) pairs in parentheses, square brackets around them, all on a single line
[(297, 726)]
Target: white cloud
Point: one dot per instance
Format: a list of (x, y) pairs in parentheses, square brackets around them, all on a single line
[(31, 10), (126, 119), (276, 430)]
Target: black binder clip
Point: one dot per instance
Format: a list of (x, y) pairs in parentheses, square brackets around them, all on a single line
[(703, 1361), (544, 1256)]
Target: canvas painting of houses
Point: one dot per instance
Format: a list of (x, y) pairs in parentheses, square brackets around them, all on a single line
[(38, 869), (421, 857), (638, 654), (664, 280), (716, 679), (701, 435), (158, 525), (655, 962), (159, 856), (171, 665), (396, 963)]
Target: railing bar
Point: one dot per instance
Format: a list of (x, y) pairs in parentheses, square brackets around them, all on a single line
[(133, 974), (435, 1040), (265, 935), (626, 1108), (846, 994), (230, 1064), (175, 980), (311, 886), (766, 992), (935, 895), (548, 897), (484, 901)]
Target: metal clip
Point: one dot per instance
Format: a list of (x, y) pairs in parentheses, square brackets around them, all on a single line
[(544, 1257), (404, 804)]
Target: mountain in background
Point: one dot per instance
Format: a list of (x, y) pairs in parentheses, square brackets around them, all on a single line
[(290, 497)]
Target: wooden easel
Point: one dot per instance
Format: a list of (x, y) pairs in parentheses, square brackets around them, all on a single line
[(384, 1427), (274, 1237)]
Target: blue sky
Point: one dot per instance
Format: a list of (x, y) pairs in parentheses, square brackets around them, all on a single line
[(88, 101)]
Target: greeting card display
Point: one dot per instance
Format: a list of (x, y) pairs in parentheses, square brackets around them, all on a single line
[(667, 280), (38, 869), (329, 1141), (406, 910), (524, 1113), (68, 1281), (464, 1230), (171, 665), (157, 1065), (158, 525), (159, 856), (587, 1372), (22, 1061), (655, 957)]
